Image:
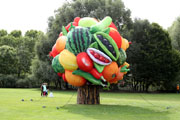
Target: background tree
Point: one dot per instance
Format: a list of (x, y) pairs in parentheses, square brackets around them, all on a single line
[(3, 33), (174, 32), (8, 60), (22, 50), (97, 9), (16, 33), (153, 60)]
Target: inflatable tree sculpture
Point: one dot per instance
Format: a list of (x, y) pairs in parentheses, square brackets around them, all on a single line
[(88, 54)]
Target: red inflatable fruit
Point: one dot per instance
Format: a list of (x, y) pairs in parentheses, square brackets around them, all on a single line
[(69, 25), (115, 36), (84, 62), (54, 51), (59, 74), (76, 19), (60, 34), (113, 26), (63, 77)]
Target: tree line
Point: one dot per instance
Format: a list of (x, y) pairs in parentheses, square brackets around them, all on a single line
[(154, 54)]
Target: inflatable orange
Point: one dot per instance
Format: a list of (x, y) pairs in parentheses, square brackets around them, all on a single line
[(61, 43), (119, 76), (109, 72), (74, 80)]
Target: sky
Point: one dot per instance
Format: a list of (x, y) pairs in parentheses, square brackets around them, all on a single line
[(33, 14)]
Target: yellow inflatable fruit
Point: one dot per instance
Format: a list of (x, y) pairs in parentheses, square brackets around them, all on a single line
[(68, 60), (125, 44), (74, 80), (61, 43)]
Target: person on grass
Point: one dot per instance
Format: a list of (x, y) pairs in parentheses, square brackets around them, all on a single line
[(44, 90)]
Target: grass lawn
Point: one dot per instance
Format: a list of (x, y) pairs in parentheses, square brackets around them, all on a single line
[(114, 106)]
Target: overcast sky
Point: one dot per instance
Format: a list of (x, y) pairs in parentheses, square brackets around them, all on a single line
[(33, 14)]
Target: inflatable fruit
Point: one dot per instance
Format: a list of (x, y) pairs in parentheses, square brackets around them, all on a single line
[(76, 19), (74, 80), (101, 25), (56, 65), (87, 22), (115, 36), (113, 26), (98, 57), (54, 52), (119, 76), (68, 60), (109, 72), (79, 40), (84, 62), (71, 24), (122, 57), (61, 43), (125, 44), (107, 44)]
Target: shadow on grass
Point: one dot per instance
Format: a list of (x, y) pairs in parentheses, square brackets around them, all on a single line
[(116, 112)]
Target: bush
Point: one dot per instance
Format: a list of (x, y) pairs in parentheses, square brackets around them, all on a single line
[(8, 81), (22, 83)]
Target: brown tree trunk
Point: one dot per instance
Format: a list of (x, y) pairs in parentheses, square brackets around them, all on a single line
[(88, 94)]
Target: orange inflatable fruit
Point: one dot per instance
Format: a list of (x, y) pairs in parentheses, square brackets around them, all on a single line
[(109, 72), (61, 43), (74, 80), (119, 76)]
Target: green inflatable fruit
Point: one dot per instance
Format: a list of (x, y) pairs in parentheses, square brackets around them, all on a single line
[(79, 40), (87, 22), (107, 44), (57, 67), (122, 57), (101, 25)]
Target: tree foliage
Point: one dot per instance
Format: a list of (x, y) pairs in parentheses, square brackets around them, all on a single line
[(8, 60), (174, 32), (154, 62), (3, 33), (16, 33), (17, 51), (90, 8)]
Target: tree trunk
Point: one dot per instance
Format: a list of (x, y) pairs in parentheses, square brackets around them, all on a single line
[(88, 94)]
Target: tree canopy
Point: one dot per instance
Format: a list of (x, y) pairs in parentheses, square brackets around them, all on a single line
[(174, 32), (154, 62)]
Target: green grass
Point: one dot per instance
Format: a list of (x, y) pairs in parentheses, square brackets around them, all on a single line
[(114, 106)]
